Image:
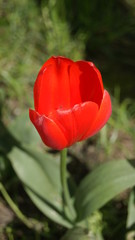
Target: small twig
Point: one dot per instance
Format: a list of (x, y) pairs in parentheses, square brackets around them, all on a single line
[(29, 222)]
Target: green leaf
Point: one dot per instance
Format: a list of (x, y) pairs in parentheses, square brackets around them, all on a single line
[(131, 210), (39, 173), (23, 130), (103, 184), (76, 234), (7, 141)]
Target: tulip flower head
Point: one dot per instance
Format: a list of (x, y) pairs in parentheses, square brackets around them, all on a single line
[(70, 102)]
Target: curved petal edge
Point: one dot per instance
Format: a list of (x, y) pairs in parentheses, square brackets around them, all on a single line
[(103, 115), (49, 132)]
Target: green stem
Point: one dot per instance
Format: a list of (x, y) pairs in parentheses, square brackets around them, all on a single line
[(63, 173), (30, 223)]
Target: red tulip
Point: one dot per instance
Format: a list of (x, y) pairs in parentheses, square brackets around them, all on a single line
[(70, 101)]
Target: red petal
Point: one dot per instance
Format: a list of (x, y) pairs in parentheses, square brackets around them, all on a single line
[(102, 116), (84, 114), (49, 132), (85, 83), (76, 121), (51, 89)]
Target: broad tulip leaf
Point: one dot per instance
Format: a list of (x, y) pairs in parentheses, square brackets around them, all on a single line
[(23, 131), (7, 141), (40, 175), (76, 234), (103, 184)]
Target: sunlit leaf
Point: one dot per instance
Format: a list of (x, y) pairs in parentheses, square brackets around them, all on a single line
[(103, 184), (40, 175)]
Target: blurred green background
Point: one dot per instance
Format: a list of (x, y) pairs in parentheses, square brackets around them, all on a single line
[(31, 31), (102, 31)]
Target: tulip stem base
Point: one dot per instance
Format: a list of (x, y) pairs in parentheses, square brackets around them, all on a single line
[(64, 183)]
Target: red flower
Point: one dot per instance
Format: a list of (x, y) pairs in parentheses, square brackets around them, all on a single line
[(70, 101)]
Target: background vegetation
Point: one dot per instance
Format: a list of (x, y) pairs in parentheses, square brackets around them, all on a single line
[(99, 31)]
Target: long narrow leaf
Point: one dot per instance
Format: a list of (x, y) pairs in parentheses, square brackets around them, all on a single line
[(40, 176), (103, 184)]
